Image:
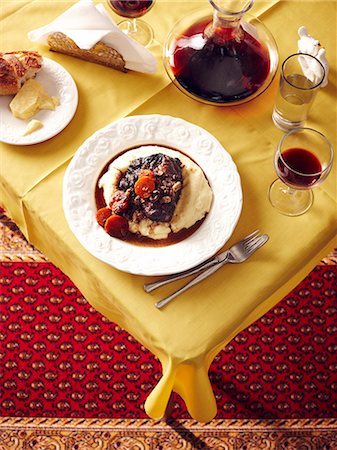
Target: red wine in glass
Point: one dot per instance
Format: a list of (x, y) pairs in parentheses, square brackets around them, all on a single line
[(132, 8), (132, 26), (299, 167), (220, 68), (302, 160)]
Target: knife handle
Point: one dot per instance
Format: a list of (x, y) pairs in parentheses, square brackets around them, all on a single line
[(206, 273), (149, 287)]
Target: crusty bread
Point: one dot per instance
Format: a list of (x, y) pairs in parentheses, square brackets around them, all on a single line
[(16, 68), (100, 53)]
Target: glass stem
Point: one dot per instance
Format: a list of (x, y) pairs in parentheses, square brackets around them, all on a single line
[(289, 190), (133, 26)]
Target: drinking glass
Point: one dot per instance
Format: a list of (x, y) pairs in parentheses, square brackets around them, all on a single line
[(301, 77), (137, 29), (302, 160)]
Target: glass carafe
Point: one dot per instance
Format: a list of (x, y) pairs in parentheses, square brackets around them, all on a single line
[(224, 58)]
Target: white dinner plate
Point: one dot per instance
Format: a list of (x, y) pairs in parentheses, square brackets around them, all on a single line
[(86, 165), (56, 81)]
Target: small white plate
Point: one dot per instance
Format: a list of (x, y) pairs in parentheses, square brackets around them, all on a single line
[(56, 81), (84, 169)]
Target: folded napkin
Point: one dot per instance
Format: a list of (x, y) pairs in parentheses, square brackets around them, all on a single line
[(310, 46), (87, 24)]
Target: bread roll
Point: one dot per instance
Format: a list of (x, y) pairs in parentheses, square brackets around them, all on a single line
[(16, 68)]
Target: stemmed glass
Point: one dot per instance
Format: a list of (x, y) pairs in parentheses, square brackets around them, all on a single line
[(132, 9), (302, 160)]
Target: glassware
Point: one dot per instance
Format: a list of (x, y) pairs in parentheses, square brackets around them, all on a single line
[(302, 160), (137, 29), (222, 59), (301, 76)]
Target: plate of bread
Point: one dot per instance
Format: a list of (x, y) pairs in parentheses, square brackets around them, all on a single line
[(38, 98)]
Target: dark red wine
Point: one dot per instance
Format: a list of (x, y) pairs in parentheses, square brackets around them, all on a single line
[(221, 68), (132, 8), (299, 167)]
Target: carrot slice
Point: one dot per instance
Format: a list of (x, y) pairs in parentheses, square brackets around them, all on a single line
[(102, 215), (116, 226), (144, 186), (146, 173)]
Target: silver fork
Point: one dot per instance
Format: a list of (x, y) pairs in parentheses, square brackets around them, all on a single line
[(149, 287), (238, 253)]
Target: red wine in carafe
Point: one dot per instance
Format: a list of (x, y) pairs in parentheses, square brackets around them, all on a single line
[(227, 66)]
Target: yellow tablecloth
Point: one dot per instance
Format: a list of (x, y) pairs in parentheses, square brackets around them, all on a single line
[(186, 335)]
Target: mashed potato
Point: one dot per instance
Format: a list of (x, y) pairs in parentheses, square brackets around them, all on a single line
[(194, 202)]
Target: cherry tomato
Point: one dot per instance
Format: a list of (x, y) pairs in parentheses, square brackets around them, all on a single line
[(144, 186), (116, 226), (102, 215)]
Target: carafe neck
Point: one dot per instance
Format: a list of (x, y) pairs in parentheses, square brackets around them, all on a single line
[(227, 15)]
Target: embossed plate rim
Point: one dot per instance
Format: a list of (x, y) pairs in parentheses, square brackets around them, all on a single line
[(84, 168), (57, 81)]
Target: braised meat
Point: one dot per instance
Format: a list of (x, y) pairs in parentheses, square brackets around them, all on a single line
[(152, 186)]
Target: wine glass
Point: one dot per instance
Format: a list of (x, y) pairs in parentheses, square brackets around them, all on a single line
[(135, 28), (302, 160)]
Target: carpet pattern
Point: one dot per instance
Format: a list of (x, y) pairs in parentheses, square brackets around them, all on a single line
[(64, 359), (113, 434), (72, 379)]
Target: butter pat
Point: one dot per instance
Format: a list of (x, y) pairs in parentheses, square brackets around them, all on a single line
[(47, 102), (32, 126), (30, 99)]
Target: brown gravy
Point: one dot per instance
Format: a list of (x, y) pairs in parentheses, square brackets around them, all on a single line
[(137, 239)]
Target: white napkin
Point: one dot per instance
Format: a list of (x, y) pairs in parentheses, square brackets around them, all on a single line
[(86, 24), (310, 46)]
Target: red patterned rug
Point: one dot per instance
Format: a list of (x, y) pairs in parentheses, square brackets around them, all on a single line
[(61, 358), (71, 380)]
